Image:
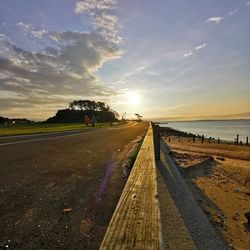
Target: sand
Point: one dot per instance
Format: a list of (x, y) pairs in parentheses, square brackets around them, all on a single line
[(219, 177)]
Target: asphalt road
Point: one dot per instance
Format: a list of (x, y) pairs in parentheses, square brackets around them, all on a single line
[(17, 139), (59, 190)]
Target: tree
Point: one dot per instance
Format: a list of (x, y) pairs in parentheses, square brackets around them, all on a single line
[(76, 105), (124, 116), (88, 105), (72, 105), (101, 106), (116, 114), (139, 117)]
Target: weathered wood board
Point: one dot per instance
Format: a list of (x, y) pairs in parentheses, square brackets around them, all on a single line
[(135, 223)]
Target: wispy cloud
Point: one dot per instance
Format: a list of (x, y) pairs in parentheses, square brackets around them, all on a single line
[(200, 46), (233, 12), (248, 3), (28, 28), (193, 51), (214, 19), (104, 22), (190, 53), (108, 26), (93, 5), (185, 70)]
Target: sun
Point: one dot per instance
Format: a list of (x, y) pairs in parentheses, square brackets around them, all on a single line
[(133, 98)]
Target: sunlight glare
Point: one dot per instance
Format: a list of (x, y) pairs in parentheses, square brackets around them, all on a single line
[(133, 98)]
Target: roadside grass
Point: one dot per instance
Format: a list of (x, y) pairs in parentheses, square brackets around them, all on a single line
[(127, 167), (21, 129)]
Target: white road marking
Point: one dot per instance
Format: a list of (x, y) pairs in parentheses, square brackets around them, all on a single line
[(39, 134), (48, 138)]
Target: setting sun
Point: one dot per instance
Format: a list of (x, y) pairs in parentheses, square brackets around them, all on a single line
[(133, 98)]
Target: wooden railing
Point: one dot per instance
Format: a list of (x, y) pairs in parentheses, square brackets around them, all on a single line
[(135, 223)]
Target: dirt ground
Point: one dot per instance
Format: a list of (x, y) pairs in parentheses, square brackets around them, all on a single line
[(219, 176), (61, 193)]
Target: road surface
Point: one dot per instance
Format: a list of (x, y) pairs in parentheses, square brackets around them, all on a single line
[(59, 190)]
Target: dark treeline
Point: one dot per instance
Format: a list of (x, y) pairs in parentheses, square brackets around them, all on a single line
[(79, 108), (89, 105), (5, 120), (75, 113)]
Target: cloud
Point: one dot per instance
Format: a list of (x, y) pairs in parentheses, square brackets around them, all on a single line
[(65, 69), (248, 3), (105, 23), (200, 46), (93, 5), (152, 73), (54, 75), (190, 53), (184, 71), (38, 33), (28, 28), (214, 19), (232, 12), (108, 26)]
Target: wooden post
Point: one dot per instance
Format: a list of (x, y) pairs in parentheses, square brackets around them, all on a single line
[(218, 140), (247, 140), (209, 140), (237, 139), (156, 135)]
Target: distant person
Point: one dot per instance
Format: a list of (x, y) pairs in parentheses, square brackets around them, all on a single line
[(93, 121), (86, 120)]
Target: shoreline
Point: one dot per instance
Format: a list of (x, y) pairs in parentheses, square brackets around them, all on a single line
[(169, 131)]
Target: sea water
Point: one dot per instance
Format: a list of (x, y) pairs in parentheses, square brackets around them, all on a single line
[(224, 129)]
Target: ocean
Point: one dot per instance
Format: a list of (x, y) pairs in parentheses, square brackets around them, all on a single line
[(225, 129)]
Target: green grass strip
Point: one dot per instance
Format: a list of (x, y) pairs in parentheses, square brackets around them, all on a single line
[(21, 129)]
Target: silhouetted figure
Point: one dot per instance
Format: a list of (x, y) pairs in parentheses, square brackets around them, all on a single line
[(86, 120), (193, 138), (93, 121)]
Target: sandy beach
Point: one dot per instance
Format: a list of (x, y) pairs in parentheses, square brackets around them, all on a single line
[(219, 177)]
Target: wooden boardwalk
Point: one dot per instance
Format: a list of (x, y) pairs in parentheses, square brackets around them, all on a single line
[(135, 223)]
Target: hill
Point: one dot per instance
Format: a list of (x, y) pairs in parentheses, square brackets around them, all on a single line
[(69, 116)]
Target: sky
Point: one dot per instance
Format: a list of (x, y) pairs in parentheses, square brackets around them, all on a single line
[(171, 59)]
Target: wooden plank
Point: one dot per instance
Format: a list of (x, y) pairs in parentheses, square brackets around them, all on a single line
[(135, 223)]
